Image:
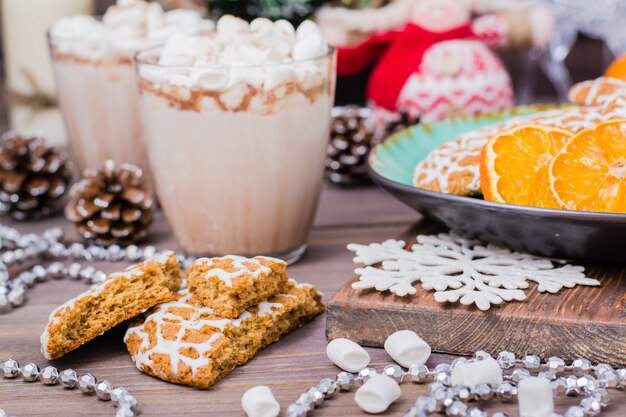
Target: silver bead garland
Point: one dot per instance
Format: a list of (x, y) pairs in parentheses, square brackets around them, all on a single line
[(69, 379), (19, 250), (578, 378)]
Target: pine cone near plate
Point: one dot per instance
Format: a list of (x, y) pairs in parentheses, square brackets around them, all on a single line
[(112, 205), (401, 122), (34, 176), (354, 132)]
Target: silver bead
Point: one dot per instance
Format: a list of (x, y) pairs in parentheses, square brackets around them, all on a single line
[(581, 365), (443, 398), (426, 403), (395, 372), (555, 365), (601, 368), (74, 270), (366, 373), (621, 378), (115, 253), (483, 391), (306, 401), (53, 234), (506, 360), (87, 383), (456, 409), (476, 412), (418, 373), (55, 270), (10, 368), (586, 384), (128, 400), (481, 354), (462, 393), (97, 252), (316, 395), (591, 406), (531, 362), (296, 410), (117, 394), (549, 375), (125, 411), (41, 274), (68, 378), (518, 374), (133, 253), (443, 367), (571, 386), (148, 252), (328, 387), (602, 395), (49, 375), (57, 250), (500, 414), (5, 304), (75, 250), (17, 296), (506, 391), (86, 273), (345, 381), (103, 390), (444, 378), (559, 387), (575, 411), (98, 277), (30, 372), (609, 379)]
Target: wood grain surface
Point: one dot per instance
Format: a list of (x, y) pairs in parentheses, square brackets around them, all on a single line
[(583, 321), (289, 366)]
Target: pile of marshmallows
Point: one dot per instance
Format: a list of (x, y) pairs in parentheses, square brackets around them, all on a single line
[(407, 348), (127, 27), (261, 53)]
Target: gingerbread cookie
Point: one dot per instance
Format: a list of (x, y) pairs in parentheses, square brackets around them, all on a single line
[(231, 284), (182, 343), (120, 297), (454, 167)]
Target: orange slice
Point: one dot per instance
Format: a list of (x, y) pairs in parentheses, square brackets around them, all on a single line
[(589, 173), (514, 165)]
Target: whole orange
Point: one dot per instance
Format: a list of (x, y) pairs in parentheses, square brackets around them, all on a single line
[(617, 69)]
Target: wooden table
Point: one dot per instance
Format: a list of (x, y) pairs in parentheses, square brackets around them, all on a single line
[(290, 366)]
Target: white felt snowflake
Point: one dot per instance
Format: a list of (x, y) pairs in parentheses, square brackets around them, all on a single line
[(460, 270)]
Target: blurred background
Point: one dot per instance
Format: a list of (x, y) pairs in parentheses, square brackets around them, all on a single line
[(587, 37)]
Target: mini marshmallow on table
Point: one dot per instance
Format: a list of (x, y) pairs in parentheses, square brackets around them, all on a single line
[(347, 355), (534, 396), (377, 394), (471, 374), (260, 402), (407, 348)]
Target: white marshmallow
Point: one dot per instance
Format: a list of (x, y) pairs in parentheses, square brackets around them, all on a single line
[(377, 394), (212, 78), (180, 50), (309, 47), (260, 402), (407, 348), (229, 26), (534, 396), (276, 75), (347, 355), (307, 28), (261, 23), (471, 374), (286, 30), (234, 95)]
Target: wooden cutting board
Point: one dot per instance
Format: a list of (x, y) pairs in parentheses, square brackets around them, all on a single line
[(585, 322)]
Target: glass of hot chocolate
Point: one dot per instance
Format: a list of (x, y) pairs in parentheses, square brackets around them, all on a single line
[(93, 65), (236, 125)]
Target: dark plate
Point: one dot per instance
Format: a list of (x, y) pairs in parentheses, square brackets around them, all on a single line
[(585, 237)]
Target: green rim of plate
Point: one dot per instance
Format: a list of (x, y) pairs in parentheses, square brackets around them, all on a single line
[(395, 158)]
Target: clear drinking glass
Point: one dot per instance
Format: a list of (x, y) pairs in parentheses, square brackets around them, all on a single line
[(98, 99), (238, 158)]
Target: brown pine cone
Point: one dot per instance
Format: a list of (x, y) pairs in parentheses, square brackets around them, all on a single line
[(112, 205), (33, 176), (353, 133)]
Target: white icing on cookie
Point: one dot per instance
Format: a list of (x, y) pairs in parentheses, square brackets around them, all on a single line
[(173, 348), (447, 160), (241, 266)]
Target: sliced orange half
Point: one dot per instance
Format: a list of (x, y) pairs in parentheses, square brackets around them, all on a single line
[(514, 165), (589, 173)]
